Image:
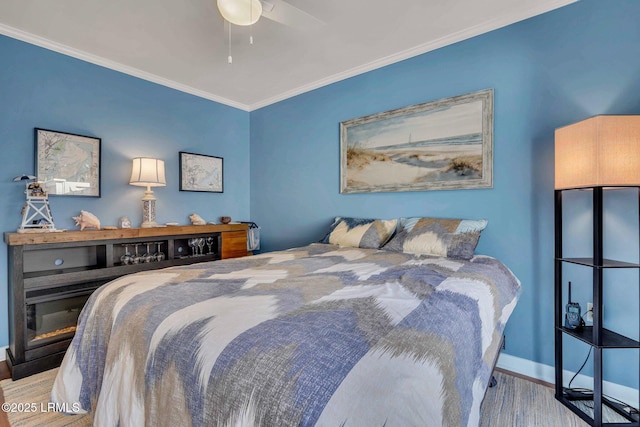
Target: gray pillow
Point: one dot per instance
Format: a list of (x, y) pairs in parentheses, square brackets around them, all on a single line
[(452, 238)]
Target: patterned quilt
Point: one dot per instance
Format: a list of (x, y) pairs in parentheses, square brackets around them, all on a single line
[(318, 335)]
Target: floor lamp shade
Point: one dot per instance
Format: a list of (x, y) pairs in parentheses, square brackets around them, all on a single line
[(602, 151)]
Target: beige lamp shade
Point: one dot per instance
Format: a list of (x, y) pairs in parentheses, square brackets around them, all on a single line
[(147, 172), (602, 151)]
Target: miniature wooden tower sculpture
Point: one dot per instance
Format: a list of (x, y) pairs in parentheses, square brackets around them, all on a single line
[(36, 214)]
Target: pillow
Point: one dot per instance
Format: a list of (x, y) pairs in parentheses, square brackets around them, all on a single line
[(360, 232), (452, 238)]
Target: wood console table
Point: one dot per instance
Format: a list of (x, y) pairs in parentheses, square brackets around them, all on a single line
[(52, 274)]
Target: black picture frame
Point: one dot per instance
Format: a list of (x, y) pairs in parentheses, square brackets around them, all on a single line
[(201, 173), (68, 164)]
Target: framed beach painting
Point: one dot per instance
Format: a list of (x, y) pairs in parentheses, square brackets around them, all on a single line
[(67, 164), (199, 172), (440, 145)]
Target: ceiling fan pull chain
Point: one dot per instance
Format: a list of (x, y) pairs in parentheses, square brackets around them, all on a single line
[(250, 20), (229, 58)]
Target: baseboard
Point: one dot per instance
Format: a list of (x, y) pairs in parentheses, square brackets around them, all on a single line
[(547, 374), (3, 353)]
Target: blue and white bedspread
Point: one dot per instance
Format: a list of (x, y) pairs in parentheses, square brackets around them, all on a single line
[(318, 335)]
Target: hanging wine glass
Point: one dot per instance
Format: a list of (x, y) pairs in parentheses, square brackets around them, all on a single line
[(210, 244), (143, 257), (148, 256), (159, 254), (126, 259), (201, 245), (137, 259), (193, 243)]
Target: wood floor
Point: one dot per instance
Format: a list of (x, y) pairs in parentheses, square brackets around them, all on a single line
[(4, 371), (4, 374)]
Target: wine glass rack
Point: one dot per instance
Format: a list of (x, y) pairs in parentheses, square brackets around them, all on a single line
[(46, 269)]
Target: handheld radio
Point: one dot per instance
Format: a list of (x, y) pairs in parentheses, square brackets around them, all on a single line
[(572, 318)]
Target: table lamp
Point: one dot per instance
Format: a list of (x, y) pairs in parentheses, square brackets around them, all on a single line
[(148, 172)]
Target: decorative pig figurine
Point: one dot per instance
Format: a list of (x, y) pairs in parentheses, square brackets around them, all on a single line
[(87, 220)]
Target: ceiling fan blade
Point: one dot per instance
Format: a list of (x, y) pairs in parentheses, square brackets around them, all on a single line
[(284, 13)]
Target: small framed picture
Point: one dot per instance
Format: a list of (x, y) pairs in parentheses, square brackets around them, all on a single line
[(199, 172), (67, 164)]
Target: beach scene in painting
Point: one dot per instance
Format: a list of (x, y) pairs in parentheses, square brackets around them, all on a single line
[(437, 145)]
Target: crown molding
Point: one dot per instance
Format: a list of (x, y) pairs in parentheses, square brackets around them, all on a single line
[(467, 33), (113, 65), (487, 26)]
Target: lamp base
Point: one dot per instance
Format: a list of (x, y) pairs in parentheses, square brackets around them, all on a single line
[(148, 210)]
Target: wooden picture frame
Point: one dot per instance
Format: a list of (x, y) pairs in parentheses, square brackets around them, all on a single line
[(439, 145), (200, 172), (67, 164)]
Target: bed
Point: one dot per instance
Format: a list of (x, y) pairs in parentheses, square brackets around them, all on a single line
[(323, 335)]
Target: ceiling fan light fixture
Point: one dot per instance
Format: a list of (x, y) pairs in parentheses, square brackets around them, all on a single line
[(240, 12)]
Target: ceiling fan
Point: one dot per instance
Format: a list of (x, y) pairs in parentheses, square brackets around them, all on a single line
[(248, 12)]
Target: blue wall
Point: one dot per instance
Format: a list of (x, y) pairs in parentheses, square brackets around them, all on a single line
[(40, 88), (547, 72)]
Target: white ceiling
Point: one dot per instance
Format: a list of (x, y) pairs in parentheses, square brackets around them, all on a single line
[(184, 44)]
